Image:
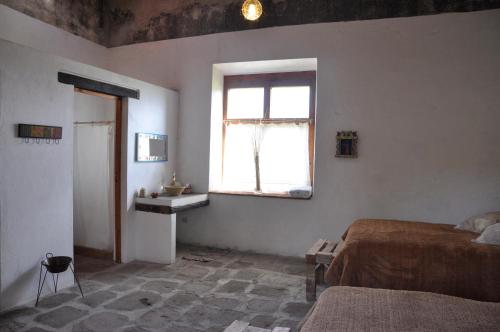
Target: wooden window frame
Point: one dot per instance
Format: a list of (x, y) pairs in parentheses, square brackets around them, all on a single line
[(268, 81)]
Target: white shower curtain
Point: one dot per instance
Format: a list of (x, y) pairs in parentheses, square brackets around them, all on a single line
[(93, 198)]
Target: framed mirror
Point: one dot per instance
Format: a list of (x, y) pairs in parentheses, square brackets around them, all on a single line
[(151, 147)]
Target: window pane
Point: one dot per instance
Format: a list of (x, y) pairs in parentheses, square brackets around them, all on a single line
[(283, 155), (239, 167), (245, 103), (290, 102)]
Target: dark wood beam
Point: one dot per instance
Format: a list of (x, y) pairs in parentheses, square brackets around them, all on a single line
[(97, 86)]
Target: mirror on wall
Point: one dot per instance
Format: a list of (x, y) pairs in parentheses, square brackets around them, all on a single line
[(151, 147)]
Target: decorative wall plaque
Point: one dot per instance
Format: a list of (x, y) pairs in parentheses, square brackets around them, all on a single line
[(347, 144), (37, 133)]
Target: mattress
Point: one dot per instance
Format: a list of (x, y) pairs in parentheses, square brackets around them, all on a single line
[(367, 309), (419, 256)]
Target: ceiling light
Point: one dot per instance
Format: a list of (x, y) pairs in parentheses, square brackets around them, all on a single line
[(251, 9)]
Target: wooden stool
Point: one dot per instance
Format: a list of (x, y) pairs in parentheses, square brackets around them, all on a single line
[(318, 258)]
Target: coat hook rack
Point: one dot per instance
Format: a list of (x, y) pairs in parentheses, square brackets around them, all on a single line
[(36, 133)]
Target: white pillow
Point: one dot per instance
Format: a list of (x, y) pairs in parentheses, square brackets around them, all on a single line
[(479, 223), (491, 235)]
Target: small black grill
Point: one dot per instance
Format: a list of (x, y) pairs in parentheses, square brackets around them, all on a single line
[(55, 265)]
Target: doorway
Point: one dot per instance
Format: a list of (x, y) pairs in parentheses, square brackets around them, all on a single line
[(97, 179)]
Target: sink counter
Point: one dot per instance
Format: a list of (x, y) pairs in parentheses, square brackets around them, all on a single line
[(156, 223), (171, 205)]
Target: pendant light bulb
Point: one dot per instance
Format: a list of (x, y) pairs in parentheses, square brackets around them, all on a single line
[(251, 9)]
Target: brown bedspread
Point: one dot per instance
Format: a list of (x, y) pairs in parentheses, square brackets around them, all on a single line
[(417, 256), (366, 309)]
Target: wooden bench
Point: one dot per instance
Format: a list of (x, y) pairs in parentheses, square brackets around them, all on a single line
[(318, 258)]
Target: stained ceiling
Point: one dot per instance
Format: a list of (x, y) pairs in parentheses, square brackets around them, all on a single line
[(120, 22)]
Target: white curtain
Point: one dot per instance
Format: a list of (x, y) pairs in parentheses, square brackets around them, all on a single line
[(284, 157), (93, 198)]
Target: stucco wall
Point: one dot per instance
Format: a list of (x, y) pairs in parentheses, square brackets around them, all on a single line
[(132, 21), (84, 18), (422, 93), (36, 184), (120, 22), (25, 30)]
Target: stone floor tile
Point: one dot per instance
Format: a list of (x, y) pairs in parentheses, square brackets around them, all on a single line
[(247, 274), (292, 324), (280, 279), (296, 269), (181, 299), (233, 286), (101, 322), (270, 291), (262, 305), (191, 272), (60, 317), (239, 265), (216, 329), (297, 309), (219, 274), (214, 264), (198, 287), (17, 313), (261, 260), (159, 317), (127, 284), (179, 328), (135, 328), (35, 329), (11, 326), (13, 320), (157, 273), (88, 286), (134, 301), (263, 321), (95, 299), (160, 286), (56, 300), (205, 316), (221, 302)]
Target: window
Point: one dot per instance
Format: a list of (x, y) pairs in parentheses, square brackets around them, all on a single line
[(268, 134)]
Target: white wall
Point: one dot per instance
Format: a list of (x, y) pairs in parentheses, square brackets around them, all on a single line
[(36, 187), (422, 92), (25, 30)]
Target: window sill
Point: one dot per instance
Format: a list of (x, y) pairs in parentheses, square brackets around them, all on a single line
[(258, 194)]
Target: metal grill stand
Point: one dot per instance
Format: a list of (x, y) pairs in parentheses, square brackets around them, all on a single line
[(55, 265)]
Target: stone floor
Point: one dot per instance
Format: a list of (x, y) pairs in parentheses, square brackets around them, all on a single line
[(205, 290)]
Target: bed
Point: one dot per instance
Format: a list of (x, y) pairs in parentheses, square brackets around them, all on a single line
[(407, 255), (368, 309)]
